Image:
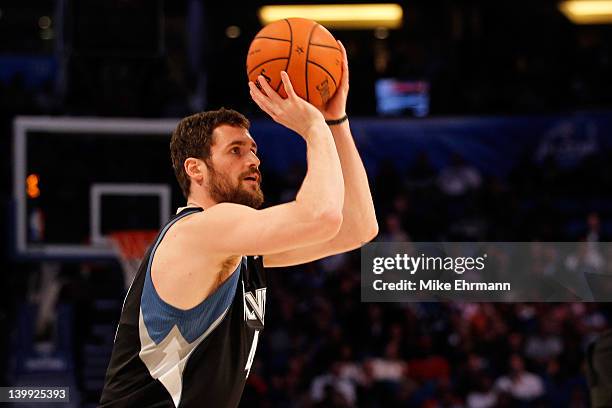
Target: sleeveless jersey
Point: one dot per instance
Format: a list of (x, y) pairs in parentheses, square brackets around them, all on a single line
[(201, 357)]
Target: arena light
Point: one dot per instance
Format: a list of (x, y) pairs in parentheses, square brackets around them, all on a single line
[(587, 11), (341, 16)]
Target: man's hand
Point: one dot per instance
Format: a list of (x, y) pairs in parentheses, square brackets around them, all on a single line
[(335, 108), (293, 112)]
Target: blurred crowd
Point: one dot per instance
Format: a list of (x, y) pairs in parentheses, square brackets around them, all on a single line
[(324, 348)]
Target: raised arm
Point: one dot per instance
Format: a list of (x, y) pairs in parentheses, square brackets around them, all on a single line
[(316, 213), (359, 223)]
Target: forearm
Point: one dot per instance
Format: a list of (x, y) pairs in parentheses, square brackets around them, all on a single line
[(359, 216), (323, 188), (322, 193)]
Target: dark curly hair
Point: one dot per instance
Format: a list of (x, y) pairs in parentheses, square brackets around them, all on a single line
[(193, 138)]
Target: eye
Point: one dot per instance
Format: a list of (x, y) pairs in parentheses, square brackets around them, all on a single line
[(235, 150)]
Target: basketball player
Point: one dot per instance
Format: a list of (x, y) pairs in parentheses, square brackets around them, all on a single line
[(193, 315), (599, 370)]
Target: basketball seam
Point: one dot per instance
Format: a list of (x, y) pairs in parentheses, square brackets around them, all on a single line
[(306, 65), (289, 56), (265, 62), (263, 37), (324, 69), (326, 46)]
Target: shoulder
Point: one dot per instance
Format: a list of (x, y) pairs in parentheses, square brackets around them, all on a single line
[(215, 214), (208, 230), (220, 210)]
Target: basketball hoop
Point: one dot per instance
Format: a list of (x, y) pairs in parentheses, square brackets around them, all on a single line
[(130, 247)]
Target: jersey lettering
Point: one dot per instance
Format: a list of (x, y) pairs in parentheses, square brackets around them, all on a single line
[(255, 305)]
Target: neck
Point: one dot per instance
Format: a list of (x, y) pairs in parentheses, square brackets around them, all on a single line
[(200, 199)]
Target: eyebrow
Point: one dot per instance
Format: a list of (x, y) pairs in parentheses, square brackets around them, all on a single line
[(242, 143)]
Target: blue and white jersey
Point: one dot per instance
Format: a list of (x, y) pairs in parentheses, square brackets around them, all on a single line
[(169, 357)]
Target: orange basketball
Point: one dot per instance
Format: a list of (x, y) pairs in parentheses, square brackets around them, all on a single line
[(305, 50)]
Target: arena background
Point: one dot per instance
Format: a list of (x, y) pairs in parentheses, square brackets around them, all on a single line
[(506, 135)]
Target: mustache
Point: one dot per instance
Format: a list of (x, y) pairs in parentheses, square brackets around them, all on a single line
[(252, 173)]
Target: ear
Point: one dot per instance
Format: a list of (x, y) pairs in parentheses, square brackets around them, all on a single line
[(195, 169)]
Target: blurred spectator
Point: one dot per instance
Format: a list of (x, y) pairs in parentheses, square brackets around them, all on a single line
[(484, 395), (392, 230), (459, 177), (351, 369), (444, 396), (385, 375), (332, 390), (429, 365), (586, 258), (594, 227), (545, 344), (599, 370), (388, 368), (422, 175), (522, 385)]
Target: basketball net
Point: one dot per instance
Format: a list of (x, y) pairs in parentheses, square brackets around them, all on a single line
[(130, 247)]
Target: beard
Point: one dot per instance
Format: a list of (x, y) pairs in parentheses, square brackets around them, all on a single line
[(222, 190)]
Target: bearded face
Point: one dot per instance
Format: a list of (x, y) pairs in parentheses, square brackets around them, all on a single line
[(244, 189)]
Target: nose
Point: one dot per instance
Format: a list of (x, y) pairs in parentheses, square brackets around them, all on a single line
[(253, 160)]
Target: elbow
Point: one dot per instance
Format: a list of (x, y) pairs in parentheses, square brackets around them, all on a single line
[(329, 223), (368, 233), (365, 234), (371, 231)]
